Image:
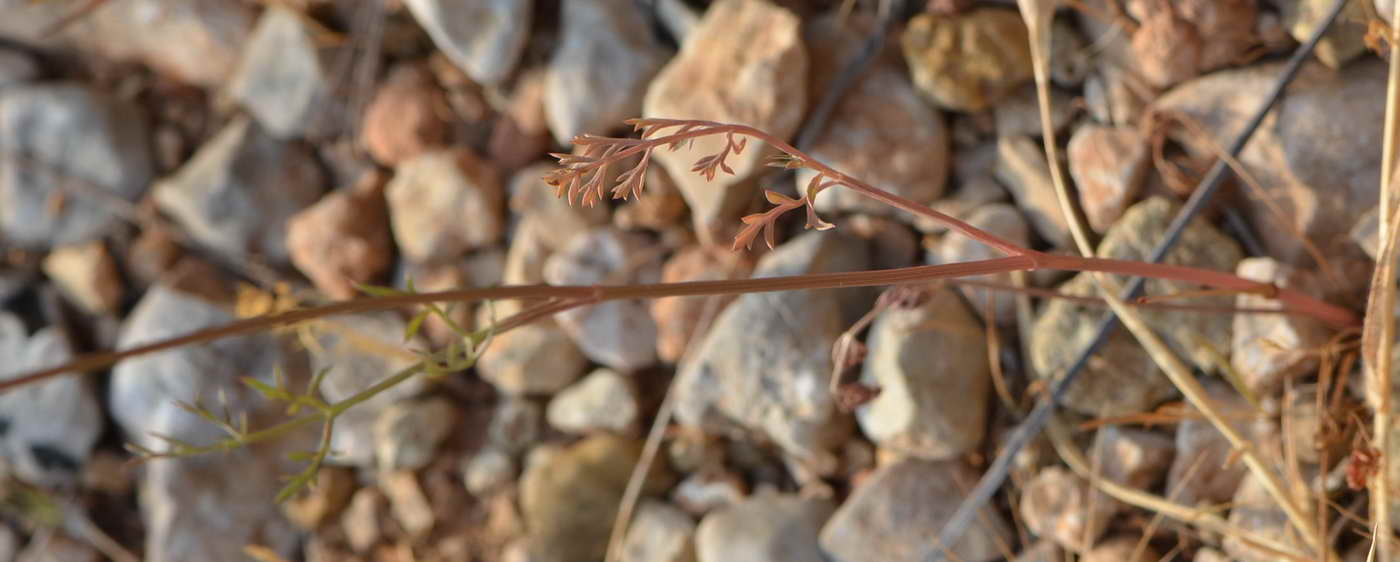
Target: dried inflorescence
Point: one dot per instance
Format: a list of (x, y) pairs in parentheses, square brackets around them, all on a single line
[(583, 177)]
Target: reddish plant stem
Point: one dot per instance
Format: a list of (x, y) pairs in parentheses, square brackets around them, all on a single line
[(571, 296)]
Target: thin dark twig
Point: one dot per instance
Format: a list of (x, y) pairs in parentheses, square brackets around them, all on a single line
[(997, 472)]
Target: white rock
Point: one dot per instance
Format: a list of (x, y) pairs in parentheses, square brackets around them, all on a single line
[(360, 522), (1021, 168), (601, 65), (1060, 506), (283, 78), (1002, 220), (893, 514), (408, 502), (777, 384), (620, 334), (1201, 471), (767, 527), (659, 533), (445, 203), (49, 427), (602, 401), (1108, 165), (490, 469), (484, 38), (744, 63), (61, 141), (515, 424), (144, 389), (238, 191), (708, 490), (174, 494), (407, 434), (1268, 349), (532, 359), (930, 363)]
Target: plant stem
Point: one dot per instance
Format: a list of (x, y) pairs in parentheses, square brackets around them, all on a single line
[(579, 295)]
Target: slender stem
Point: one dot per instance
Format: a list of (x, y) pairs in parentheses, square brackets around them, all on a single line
[(579, 295)]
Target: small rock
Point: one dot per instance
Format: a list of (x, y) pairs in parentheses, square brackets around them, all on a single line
[(360, 351), (144, 389), (1176, 41), (978, 190), (87, 274), (1313, 162), (600, 68), (408, 503), (284, 78), (175, 492), (531, 359), (1124, 548), (57, 547), (1268, 349), (238, 191), (1123, 379), (1131, 457), (1071, 60), (970, 61), (360, 522), (485, 39), (659, 533), (1302, 428), (1019, 114), (881, 131), (322, 500), (1059, 506), (490, 469), (1254, 510), (709, 489), (1108, 165), (213, 32), (343, 239), (766, 527), (570, 499), (776, 385), (1205, 469), (1116, 96), (620, 333), (16, 67), (601, 401), (758, 43), (1345, 39), (49, 428), (66, 147), (1208, 554), (1021, 168), (893, 514), (929, 361), (515, 425), (999, 219), (402, 120), (691, 449), (445, 203), (1365, 232), (678, 318), (407, 434)]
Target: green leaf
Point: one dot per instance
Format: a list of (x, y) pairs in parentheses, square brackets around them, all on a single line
[(268, 391), (415, 324)]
